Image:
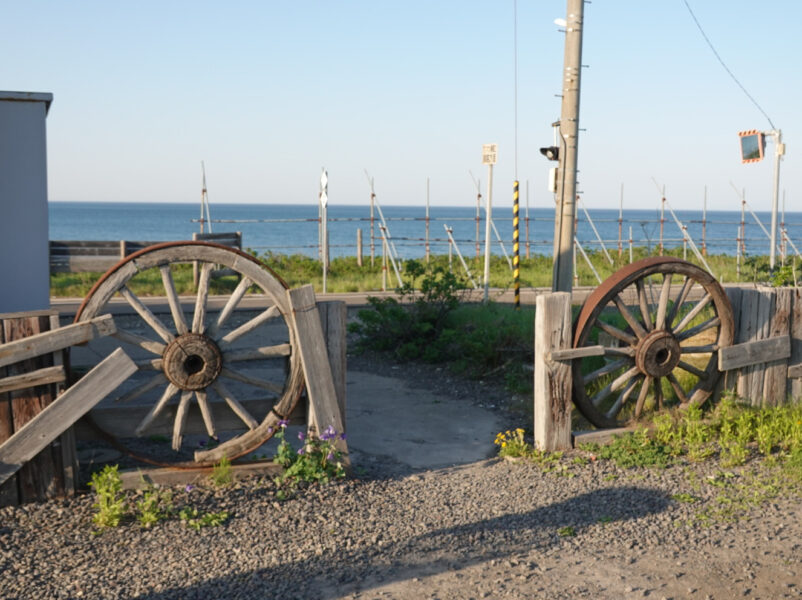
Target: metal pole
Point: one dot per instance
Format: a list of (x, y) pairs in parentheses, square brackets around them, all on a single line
[(527, 220), (743, 222), (783, 235), (779, 150), (478, 217), (569, 134), (620, 220), (662, 218), (453, 244), (516, 267), (427, 219), (704, 225), (372, 232), (488, 241), (630, 244), (596, 231), (738, 254)]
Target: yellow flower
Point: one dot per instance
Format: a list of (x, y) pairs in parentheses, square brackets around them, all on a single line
[(519, 430), (503, 444)]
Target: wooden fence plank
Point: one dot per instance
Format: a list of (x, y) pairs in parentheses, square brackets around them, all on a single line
[(9, 494), (333, 320), (69, 452), (552, 390), (729, 379), (46, 426), (32, 379), (576, 353), (794, 386), (324, 410), (776, 371), (765, 308), (753, 353), (40, 479), (747, 320), (59, 339)]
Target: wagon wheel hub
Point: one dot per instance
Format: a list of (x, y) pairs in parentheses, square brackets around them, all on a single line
[(658, 354), (192, 361)]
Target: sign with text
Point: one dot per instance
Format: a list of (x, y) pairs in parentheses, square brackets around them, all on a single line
[(489, 154)]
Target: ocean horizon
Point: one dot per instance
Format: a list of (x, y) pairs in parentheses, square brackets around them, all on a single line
[(294, 229)]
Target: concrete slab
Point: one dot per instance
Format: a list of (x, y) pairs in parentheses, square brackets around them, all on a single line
[(388, 417)]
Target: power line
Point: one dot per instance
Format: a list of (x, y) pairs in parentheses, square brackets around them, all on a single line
[(734, 78), (515, 69)]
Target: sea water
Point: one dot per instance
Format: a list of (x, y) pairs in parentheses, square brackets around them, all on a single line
[(291, 229)]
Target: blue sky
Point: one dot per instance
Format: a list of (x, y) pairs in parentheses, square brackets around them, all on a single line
[(268, 93)]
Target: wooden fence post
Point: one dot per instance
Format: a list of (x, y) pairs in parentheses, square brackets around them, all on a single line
[(552, 378), (324, 408)]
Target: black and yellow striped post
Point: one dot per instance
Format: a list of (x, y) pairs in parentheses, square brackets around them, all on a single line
[(516, 271)]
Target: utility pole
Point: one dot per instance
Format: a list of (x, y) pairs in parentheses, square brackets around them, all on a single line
[(569, 132), (779, 150)]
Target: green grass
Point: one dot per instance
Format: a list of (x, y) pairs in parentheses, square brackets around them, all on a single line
[(346, 276)]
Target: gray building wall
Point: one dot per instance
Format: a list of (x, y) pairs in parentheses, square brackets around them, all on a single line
[(24, 236)]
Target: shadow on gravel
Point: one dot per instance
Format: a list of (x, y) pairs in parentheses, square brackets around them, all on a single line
[(507, 536)]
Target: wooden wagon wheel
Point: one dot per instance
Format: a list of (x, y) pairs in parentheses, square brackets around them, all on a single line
[(661, 321), (202, 360)]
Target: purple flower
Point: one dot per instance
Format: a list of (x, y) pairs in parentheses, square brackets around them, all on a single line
[(329, 434), (301, 451), (269, 430), (189, 487), (283, 423), (342, 436), (301, 436), (330, 456)]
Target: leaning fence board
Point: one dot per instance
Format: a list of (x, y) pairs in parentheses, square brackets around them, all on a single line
[(753, 353), (552, 389), (58, 339), (45, 427), (324, 410)]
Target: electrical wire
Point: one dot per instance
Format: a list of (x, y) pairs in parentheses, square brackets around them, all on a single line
[(515, 69), (720, 60)]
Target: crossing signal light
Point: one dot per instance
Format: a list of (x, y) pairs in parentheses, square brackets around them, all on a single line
[(551, 152)]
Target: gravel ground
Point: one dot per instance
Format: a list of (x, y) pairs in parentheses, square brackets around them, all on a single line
[(494, 529), (582, 528)]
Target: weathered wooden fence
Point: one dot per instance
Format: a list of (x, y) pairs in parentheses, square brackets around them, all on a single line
[(37, 445), (763, 367), (78, 256), (37, 437)]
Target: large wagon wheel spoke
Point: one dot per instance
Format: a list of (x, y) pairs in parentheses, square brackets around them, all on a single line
[(199, 318), (172, 297), (648, 310), (231, 304), (147, 315), (178, 369)]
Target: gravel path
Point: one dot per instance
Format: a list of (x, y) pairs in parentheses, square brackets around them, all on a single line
[(494, 529)]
